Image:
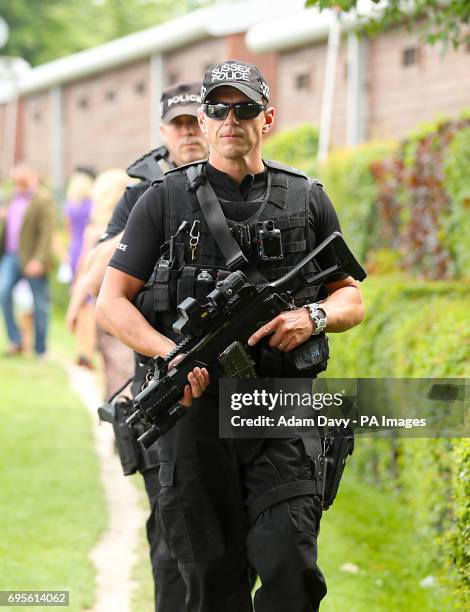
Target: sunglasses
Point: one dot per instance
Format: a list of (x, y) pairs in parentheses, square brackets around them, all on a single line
[(243, 110)]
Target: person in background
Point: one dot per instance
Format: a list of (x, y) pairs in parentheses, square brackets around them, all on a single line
[(77, 210), (117, 358), (26, 232), (23, 303)]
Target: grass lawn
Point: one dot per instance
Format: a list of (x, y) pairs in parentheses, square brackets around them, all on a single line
[(52, 509), (375, 533)]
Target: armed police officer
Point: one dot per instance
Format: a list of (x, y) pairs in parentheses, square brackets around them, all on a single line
[(226, 505), (183, 143)]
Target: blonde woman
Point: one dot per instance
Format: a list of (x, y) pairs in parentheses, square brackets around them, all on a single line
[(118, 359)]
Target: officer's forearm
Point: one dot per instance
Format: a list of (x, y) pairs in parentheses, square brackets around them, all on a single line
[(344, 309), (121, 319), (97, 261)]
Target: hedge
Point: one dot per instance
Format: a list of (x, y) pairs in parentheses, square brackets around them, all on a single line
[(406, 207), (403, 206), (405, 335), (297, 147)]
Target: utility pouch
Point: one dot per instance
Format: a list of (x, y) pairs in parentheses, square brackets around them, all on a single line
[(186, 281), (165, 278), (308, 359), (337, 445), (269, 361), (162, 300)]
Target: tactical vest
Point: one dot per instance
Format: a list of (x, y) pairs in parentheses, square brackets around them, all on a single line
[(196, 270)]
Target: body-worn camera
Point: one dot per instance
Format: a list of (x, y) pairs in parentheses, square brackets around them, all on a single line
[(261, 242), (268, 242)]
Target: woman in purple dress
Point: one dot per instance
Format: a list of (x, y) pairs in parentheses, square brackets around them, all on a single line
[(78, 208)]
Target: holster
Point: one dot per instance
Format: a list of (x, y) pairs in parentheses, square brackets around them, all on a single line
[(131, 455), (337, 445)]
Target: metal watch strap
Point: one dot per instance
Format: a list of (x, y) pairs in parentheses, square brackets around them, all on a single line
[(318, 316)]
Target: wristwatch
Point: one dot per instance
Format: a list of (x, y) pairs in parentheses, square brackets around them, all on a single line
[(318, 316)]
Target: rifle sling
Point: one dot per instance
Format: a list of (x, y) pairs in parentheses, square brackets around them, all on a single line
[(215, 219)]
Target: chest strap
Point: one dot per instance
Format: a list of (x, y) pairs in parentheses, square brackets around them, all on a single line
[(217, 223)]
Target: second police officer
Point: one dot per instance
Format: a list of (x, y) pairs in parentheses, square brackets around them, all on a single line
[(210, 487), (183, 142)]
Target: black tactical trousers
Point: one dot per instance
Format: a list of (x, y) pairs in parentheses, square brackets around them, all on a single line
[(169, 586), (207, 487)]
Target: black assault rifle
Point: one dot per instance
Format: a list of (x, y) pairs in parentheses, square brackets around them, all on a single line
[(234, 310)]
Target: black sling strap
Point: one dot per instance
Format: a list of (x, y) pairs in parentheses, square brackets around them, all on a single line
[(215, 219)]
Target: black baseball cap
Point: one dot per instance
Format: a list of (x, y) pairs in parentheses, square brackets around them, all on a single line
[(180, 99), (245, 77)]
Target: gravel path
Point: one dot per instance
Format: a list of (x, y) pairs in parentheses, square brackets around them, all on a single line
[(115, 554)]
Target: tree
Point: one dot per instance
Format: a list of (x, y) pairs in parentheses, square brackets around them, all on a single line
[(445, 21), (44, 30)]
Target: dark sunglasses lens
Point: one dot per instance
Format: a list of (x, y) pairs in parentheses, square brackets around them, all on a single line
[(217, 111), (248, 111)]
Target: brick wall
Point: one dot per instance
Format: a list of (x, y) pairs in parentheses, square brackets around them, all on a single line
[(267, 62), (36, 130), (402, 96), (190, 62), (107, 118), (300, 89)]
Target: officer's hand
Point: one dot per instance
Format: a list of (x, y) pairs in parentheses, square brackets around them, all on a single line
[(198, 381), (289, 329)]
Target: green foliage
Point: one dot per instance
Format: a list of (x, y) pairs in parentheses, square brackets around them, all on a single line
[(401, 207), (456, 223), (425, 188), (46, 30), (423, 130), (297, 147), (400, 338), (434, 20), (350, 183), (458, 539)]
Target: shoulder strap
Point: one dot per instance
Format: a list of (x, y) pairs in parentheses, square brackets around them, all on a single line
[(271, 163), (147, 167), (194, 164), (314, 181), (215, 219)]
